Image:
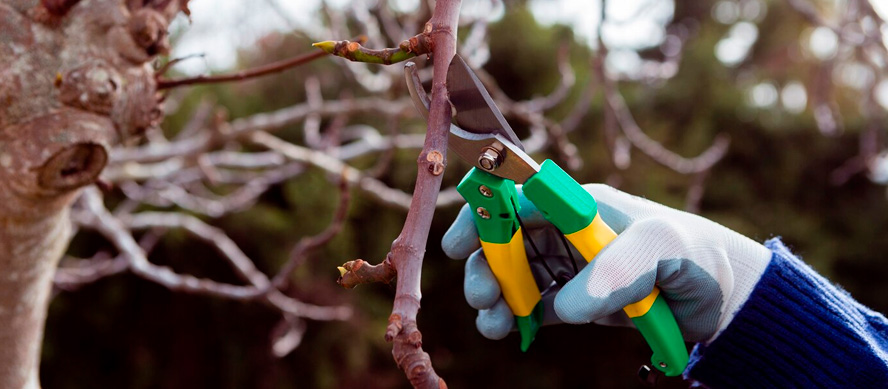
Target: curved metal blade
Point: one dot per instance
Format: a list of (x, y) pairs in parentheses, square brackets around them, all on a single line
[(516, 165), (417, 92), (475, 110)]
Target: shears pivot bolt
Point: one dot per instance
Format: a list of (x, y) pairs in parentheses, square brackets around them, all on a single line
[(490, 159), (485, 191), (483, 213)]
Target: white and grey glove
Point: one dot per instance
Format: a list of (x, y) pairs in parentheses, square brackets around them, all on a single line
[(704, 270)]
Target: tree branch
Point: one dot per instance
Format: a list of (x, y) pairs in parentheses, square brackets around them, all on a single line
[(654, 149), (259, 122), (101, 265), (332, 165), (407, 250), (305, 245), (353, 51), (274, 67), (568, 79), (354, 273), (117, 231)]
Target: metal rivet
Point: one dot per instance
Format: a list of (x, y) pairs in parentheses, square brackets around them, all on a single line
[(483, 213), (489, 159), (485, 191), (663, 365)]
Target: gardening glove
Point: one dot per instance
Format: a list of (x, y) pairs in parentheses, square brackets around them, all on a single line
[(704, 270)]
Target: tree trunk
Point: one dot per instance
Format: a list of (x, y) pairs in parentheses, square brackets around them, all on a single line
[(29, 251), (74, 79)]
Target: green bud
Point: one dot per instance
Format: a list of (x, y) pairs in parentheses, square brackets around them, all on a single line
[(327, 46)]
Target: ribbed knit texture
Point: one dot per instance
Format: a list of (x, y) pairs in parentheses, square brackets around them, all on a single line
[(796, 330)]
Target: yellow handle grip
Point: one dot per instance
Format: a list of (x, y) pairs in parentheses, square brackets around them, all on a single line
[(508, 261), (590, 240)]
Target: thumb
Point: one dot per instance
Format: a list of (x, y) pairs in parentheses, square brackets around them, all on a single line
[(624, 272)]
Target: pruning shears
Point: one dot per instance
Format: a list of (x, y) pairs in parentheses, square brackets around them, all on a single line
[(482, 137)]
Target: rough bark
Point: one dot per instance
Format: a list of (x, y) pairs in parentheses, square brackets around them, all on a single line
[(74, 79), (409, 248)]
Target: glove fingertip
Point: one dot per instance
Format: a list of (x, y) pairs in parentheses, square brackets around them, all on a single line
[(495, 323), (461, 239), (571, 308)]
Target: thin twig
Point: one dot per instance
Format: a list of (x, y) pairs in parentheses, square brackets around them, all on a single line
[(654, 149), (332, 165), (567, 151), (696, 191), (573, 119), (568, 79), (260, 122), (115, 231), (96, 216), (312, 126), (166, 67), (388, 155), (305, 245), (258, 71), (165, 193)]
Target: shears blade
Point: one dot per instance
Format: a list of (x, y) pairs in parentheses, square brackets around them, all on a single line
[(475, 110), (514, 163)]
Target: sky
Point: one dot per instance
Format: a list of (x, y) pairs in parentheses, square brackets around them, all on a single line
[(219, 27)]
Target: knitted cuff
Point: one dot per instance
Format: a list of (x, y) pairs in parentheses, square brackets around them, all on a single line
[(795, 330)]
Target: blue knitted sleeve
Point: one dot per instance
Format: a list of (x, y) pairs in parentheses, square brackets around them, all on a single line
[(796, 330)]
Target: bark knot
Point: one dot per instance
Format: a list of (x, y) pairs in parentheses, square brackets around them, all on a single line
[(73, 167), (93, 87), (149, 30)]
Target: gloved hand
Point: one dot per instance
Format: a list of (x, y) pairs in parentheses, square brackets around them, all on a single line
[(704, 270)]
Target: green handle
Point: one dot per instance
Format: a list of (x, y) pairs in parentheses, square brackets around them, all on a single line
[(574, 211), (494, 202), (661, 332), (560, 198)]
